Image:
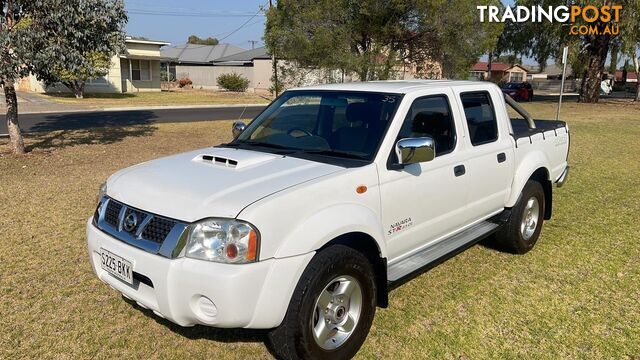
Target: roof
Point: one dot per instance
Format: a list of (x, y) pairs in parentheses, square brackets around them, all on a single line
[(496, 66), (135, 40), (394, 86), (144, 57), (199, 54), (630, 75), (244, 57)]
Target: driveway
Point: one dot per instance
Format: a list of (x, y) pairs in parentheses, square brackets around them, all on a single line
[(44, 122), (34, 103)]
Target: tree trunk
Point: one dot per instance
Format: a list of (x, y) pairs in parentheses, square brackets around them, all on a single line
[(15, 135), (636, 66), (598, 50), (79, 89)]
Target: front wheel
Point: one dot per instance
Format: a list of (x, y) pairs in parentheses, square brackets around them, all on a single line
[(522, 231), (331, 310)]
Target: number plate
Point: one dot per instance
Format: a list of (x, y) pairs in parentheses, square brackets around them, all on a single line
[(116, 266)]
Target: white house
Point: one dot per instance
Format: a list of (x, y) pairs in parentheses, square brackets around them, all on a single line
[(135, 70)]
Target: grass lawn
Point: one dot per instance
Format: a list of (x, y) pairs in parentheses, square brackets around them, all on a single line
[(576, 295), (164, 98)]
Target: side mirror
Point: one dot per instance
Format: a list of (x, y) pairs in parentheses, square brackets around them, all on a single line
[(415, 150), (237, 128)]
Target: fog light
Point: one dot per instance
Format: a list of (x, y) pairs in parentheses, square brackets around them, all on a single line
[(207, 307)]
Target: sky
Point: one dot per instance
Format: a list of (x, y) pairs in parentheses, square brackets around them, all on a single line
[(234, 22)]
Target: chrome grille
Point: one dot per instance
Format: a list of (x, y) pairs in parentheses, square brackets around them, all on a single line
[(139, 228), (112, 213), (157, 229)]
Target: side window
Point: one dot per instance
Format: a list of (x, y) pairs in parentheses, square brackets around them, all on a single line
[(481, 117), (431, 116)]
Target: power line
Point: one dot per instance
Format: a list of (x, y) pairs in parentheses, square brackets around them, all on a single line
[(241, 26), (227, 32), (189, 14)]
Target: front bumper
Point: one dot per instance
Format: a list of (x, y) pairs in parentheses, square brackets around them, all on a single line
[(249, 295)]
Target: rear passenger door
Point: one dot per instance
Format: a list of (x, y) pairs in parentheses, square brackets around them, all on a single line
[(489, 158)]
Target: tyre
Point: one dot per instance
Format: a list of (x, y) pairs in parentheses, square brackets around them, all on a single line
[(522, 231), (331, 309)]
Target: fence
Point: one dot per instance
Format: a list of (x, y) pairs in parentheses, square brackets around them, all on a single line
[(554, 85)]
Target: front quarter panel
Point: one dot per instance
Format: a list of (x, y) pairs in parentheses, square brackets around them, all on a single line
[(302, 219)]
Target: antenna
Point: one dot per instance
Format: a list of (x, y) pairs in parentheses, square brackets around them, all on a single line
[(242, 113), (564, 70)]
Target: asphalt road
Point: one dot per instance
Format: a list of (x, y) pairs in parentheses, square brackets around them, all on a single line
[(83, 120)]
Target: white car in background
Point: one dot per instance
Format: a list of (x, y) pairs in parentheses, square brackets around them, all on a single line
[(331, 194)]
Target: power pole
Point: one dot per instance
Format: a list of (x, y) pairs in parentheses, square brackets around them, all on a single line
[(274, 62), (253, 43)]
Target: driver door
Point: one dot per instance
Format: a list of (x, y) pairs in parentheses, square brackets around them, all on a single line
[(424, 202)]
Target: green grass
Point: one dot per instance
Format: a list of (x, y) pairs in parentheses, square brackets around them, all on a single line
[(576, 295), (164, 98)]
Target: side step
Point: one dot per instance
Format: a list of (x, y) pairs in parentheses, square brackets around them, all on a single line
[(439, 250)]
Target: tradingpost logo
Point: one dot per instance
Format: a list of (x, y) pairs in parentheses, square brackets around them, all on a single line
[(581, 19)]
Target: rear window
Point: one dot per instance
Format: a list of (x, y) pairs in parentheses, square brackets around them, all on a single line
[(481, 117)]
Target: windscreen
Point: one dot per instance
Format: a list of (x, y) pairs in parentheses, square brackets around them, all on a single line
[(333, 123)]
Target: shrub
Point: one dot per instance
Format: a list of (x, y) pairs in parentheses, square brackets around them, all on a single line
[(185, 81), (233, 82)]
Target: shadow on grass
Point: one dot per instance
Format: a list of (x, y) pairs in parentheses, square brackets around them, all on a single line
[(58, 131)]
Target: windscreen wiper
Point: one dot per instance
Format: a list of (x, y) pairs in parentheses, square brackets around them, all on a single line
[(245, 144), (334, 153)]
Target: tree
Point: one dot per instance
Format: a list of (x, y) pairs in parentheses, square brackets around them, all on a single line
[(546, 39), (375, 39), (539, 41), (630, 39), (614, 55), (95, 64), (194, 39), (41, 37)]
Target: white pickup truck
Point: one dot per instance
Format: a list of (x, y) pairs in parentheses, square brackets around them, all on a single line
[(330, 196)]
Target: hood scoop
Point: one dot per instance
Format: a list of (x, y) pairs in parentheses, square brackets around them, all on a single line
[(219, 160), (233, 159)]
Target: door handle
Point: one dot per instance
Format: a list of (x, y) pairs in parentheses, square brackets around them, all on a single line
[(459, 170), (502, 157)]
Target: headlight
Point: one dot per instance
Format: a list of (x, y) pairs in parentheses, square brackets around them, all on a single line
[(102, 191), (224, 241)]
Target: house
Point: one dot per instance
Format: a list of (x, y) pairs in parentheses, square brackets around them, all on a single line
[(182, 57), (500, 72), (255, 65), (631, 76), (137, 69), (194, 54)]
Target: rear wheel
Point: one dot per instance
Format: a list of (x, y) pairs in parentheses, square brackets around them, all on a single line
[(331, 310), (522, 230)]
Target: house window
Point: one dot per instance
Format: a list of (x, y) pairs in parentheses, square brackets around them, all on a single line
[(141, 70), (516, 77)]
